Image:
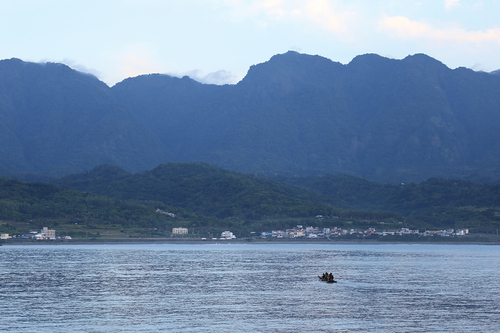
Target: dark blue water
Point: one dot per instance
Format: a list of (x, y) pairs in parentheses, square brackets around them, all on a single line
[(249, 288)]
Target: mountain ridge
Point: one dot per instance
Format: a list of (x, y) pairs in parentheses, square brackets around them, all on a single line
[(374, 117), (378, 118), (57, 120)]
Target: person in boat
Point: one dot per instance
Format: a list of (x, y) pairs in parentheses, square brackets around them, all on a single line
[(325, 276), (330, 277)]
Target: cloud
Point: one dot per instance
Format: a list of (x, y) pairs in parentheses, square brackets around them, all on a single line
[(219, 77), (322, 13), (136, 62), (408, 29), (74, 65), (276, 8), (405, 28), (448, 4), (81, 68), (478, 5)]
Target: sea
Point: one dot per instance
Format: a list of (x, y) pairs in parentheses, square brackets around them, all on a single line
[(236, 287)]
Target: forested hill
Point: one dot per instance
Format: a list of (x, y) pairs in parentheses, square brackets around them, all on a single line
[(212, 191), (437, 202), (382, 119), (205, 189), (202, 195), (25, 206), (359, 193)]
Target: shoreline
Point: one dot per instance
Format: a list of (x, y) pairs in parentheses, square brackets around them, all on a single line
[(462, 241)]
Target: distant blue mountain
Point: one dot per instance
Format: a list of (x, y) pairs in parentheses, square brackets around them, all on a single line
[(55, 121), (378, 118)]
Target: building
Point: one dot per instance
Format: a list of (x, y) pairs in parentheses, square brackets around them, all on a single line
[(4, 236), (48, 234), (180, 231), (227, 235)]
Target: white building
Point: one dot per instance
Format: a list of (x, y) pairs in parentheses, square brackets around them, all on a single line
[(48, 234), (227, 235), (180, 231)]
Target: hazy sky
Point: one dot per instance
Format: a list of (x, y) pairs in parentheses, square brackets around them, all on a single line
[(218, 40)]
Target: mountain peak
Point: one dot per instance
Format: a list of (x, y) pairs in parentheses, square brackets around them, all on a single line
[(290, 70), (424, 59), (372, 61), (370, 58), (295, 60), (159, 80)]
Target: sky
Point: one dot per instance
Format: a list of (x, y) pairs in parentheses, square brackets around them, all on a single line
[(216, 41)]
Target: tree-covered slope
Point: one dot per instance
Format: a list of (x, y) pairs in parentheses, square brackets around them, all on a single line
[(361, 193), (42, 204), (205, 189), (209, 198), (435, 202), (55, 121)]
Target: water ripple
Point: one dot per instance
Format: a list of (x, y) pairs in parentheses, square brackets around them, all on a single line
[(249, 288)]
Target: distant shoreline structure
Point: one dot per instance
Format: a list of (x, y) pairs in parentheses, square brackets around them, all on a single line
[(471, 240)]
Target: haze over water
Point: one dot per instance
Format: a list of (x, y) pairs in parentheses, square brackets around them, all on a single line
[(249, 288)]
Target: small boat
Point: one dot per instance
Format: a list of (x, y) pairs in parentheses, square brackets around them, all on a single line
[(326, 280)]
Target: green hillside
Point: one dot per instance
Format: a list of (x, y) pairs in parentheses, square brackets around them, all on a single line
[(208, 199), (203, 198), (205, 189), (442, 203), (212, 191), (25, 206)]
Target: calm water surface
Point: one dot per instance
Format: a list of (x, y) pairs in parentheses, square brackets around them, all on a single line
[(249, 288)]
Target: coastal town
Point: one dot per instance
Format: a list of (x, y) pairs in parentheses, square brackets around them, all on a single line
[(44, 234), (314, 232), (223, 236), (295, 233), (320, 233)]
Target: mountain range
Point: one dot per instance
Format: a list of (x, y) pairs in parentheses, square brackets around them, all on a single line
[(382, 119), (55, 121)]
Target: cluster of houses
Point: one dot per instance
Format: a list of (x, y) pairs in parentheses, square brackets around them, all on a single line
[(314, 232), (44, 234), (184, 231)]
